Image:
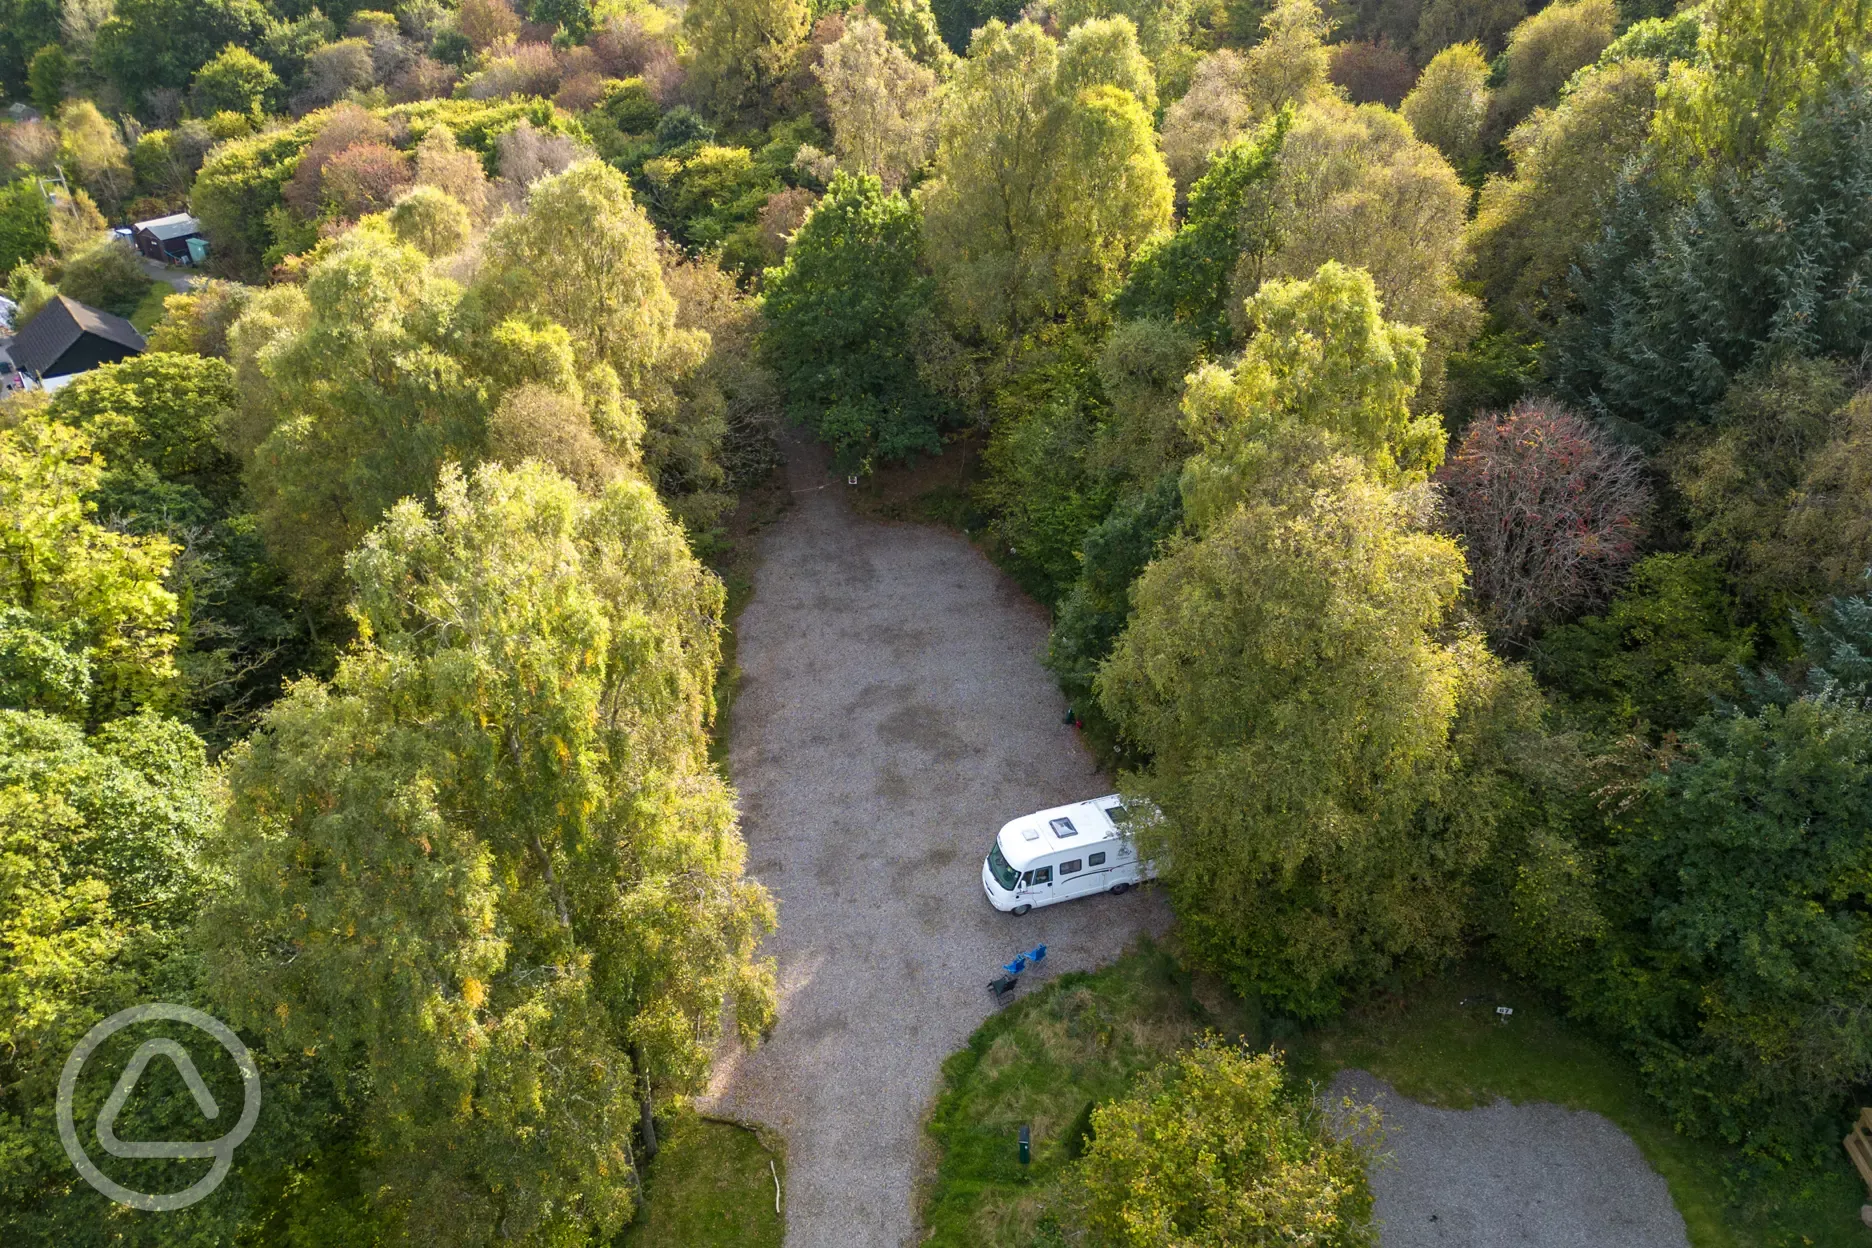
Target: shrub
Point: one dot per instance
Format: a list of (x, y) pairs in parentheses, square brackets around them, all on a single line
[(108, 275), (1214, 1148)]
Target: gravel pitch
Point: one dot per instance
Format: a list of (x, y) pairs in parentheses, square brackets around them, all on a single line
[(1505, 1174), (893, 713)]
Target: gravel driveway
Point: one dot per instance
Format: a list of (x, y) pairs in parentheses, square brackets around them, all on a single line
[(1505, 1174), (893, 713)]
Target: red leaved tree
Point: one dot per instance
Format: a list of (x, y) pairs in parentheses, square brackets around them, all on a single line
[(1549, 509)]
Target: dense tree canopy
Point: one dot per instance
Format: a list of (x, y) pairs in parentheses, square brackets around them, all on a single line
[(546, 927), (402, 528), (1047, 176), (839, 311)]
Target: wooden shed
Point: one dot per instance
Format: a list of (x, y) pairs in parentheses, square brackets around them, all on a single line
[(68, 337), (166, 238)]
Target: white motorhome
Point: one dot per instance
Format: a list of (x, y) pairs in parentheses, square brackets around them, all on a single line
[(1062, 853)]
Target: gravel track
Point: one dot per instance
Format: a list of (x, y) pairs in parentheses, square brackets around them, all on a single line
[(1534, 1174), (892, 714)]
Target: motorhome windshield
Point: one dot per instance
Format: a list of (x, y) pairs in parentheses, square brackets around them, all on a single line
[(1004, 875)]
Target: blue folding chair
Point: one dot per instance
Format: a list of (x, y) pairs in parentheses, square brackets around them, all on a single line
[(1037, 956), (1018, 965)]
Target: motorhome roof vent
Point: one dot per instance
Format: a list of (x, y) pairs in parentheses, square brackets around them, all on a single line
[(1030, 833), (1063, 828)]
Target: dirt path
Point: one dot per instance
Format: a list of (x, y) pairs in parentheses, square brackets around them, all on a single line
[(893, 713)]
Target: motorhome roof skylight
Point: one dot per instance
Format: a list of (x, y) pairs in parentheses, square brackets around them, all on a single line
[(1063, 827)]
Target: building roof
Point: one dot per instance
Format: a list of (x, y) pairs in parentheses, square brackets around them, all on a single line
[(59, 325), (175, 225)]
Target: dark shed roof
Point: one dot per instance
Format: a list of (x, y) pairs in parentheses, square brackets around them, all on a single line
[(63, 324)]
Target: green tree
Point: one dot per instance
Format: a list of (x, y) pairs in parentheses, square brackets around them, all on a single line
[(839, 311), (94, 598), (1163, 26), (1213, 1148), (1186, 276), (1450, 102), (584, 255), (911, 25), (1764, 62), (236, 81), (1044, 485), (1231, 94), (1736, 956), (160, 409), (93, 152), (106, 275), (574, 17), (52, 69), (431, 220), (1308, 729), (1312, 729), (1531, 227), (882, 104), (1544, 52), (355, 401), (102, 853), (25, 224), (1047, 177), (742, 49), (1769, 487), (1444, 23), (1676, 297), (158, 419), (487, 874), (1355, 186), (150, 45), (1662, 654), (1321, 361)]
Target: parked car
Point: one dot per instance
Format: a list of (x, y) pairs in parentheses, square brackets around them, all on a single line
[(1062, 853)]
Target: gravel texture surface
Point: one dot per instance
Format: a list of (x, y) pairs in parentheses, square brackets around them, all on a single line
[(893, 714), (1534, 1174)]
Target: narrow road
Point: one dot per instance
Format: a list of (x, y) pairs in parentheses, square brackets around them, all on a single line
[(893, 714)]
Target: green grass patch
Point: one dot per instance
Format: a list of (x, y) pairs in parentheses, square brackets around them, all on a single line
[(1082, 1039), (1042, 1061), (145, 315), (1443, 1044), (709, 1187)]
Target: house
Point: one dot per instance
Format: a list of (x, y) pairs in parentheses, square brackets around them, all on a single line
[(166, 238), (67, 338)]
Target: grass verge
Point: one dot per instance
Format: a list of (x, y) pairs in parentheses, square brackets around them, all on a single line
[(1044, 1061), (145, 315), (1081, 1040), (709, 1187), (1444, 1045)]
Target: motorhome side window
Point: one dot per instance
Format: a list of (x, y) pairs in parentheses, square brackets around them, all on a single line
[(1069, 866), (1042, 875), (1097, 860)]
